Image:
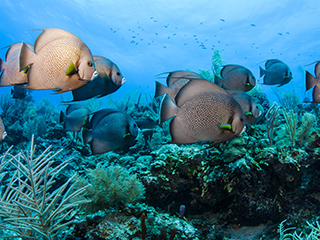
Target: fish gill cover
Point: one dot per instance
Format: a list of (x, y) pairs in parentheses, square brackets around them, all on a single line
[(168, 68)]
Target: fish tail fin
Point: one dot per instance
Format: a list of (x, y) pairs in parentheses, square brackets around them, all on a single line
[(2, 63), (86, 135), (160, 89), (25, 57), (167, 109), (262, 71), (218, 80), (63, 117), (310, 80)]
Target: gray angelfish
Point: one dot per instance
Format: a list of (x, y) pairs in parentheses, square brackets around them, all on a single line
[(276, 73), (249, 106), (236, 77), (108, 81), (111, 129)]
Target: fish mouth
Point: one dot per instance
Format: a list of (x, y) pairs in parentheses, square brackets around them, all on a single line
[(4, 134), (94, 75), (243, 129), (123, 80)]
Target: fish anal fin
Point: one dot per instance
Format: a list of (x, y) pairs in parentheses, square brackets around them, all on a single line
[(180, 135)]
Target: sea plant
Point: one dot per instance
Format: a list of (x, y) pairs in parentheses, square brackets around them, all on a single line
[(216, 65), (29, 206)]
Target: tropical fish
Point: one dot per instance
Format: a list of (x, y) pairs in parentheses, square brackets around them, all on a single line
[(249, 106), (211, 116), (236, 77), (191, 86), (10, 70), (75, 118), (276, 72), (60, 61), (108, 81), (175, 80), (18, 92), (314, 81), (110, 129), (3, 132), (146, 123)]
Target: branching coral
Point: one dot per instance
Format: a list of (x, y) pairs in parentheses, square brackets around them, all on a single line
[(28, 206)]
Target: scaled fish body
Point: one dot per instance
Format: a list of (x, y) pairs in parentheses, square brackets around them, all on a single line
[(236, 77), (108, 81), (10, 68), (75, 118), (249, 106), (60, 61), (314, 81), (276, 72), (211, 116), (111, 129)]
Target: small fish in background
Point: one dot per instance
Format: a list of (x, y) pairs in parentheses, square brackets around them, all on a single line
[(108, 81), (314, 81), (249, 106), (76, 117), (211, 116), (19, 93), (60, 61), (276, 73), (235, 77), (3, 132), (111, 129), (10, 70), (148, 128)]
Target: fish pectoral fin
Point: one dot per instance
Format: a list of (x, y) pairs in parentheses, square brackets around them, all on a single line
[(71, 69), (246, 84), (248, 114), (225, 126), (26, 69), (126, 135)]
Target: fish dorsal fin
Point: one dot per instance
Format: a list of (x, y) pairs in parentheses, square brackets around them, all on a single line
[(272, 61), (228, 68), (48, 35), (317, 70), (73, 107), (12, 49), (96, 118), (174, 76), (195, 88)]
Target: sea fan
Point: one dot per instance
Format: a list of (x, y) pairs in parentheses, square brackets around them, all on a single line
[(27, 207)]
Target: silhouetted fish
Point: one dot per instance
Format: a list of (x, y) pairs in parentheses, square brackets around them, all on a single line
[(111, 129), (11, 74), (108, 81), (249, 106), (75, 118), (60, 61), (18, 92), (236, 77), (276, 72)]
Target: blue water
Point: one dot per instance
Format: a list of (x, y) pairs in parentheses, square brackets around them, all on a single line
[(145, 38)]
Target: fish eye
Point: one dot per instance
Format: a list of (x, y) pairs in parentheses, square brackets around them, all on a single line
[(118, 73), (89, 64)]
